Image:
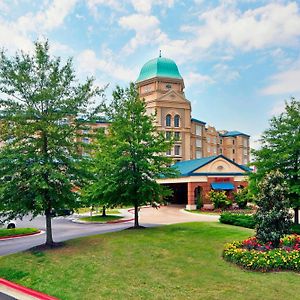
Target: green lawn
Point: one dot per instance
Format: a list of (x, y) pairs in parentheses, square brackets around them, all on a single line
[(100, 218), (17, 231), (171, 262)]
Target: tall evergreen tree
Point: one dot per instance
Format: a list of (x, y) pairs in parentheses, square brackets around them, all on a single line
[(40, 163), (280, 150), (131, 156)]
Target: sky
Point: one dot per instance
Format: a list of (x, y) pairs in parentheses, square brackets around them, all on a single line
[(240, 60)]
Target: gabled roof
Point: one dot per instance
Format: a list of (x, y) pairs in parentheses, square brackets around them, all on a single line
[(198, 121), (233, 133), (187, 167)]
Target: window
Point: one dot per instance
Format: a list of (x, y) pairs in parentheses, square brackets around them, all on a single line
[(177, 150), (198, 154), (232, 142), (86, 140), (233, 151), (177, 135), (176, 121), (198, 130), (198, 143), (85, 131), (245, 142), (221, 151), (168, 153), (221, 141), (215, 151), (208, 149), (245, 161), (215, 140), (168, 120), (208, 139), (245, 152), (168, 135)]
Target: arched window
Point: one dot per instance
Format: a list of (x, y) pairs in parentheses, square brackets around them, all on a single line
[(176, 121), (168, 120)]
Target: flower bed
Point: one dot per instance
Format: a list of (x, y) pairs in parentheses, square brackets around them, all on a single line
[(250, 254)]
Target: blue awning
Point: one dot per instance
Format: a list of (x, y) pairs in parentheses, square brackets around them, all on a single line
[(222, 186)]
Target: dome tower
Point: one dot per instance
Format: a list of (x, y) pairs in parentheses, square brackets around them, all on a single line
[(161, 86)]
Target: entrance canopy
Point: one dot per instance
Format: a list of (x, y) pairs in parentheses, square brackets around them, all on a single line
[(225, 186)]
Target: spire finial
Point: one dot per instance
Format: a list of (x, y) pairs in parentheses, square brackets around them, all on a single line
[(159, 53)]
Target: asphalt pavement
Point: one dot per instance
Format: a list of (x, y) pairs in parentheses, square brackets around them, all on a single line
[(64, 229)]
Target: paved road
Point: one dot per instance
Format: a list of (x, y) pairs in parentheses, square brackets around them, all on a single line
[(64, 229)]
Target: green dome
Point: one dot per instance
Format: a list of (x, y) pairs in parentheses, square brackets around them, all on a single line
[(159, 67)]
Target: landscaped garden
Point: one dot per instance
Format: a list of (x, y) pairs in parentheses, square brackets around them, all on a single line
[(181, 261)]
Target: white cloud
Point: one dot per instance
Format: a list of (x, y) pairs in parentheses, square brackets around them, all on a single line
[(225, 26), (146, 29), (17, 35), (255, 142), (89, 63), (278, 108), (198, 79), (93, 6), (225, 72), (145, 6), (286, 82)]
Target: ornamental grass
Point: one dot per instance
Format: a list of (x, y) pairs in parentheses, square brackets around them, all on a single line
[(253, 255)]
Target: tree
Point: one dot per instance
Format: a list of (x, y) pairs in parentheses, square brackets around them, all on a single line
[(130, 156), (280, 150), (40, 163), (272, 218)]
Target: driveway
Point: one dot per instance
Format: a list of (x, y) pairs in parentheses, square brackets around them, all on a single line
[(171, 215), (64, 229)]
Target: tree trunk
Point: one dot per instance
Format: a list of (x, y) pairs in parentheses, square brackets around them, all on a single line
[(136, 216), (103, 211), (296, 211), (49, 239)]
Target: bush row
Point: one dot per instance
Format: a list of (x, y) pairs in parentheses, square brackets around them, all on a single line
[(272, 260), (237, 219), (247, 221)]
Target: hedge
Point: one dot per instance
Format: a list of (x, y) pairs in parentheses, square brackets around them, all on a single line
[(237, 219)]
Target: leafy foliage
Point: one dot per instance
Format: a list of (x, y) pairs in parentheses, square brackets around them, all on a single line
[(272, 217), (242, 197), (40, 162), (219, 199), (128, 159), (242, 220), (280, 150)]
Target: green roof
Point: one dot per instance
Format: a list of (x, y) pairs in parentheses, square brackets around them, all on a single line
[(234, 133), (159, 67), (187, 167)]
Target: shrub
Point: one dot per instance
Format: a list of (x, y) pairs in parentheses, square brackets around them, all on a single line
[(242, 197), (250, 254), (237, 219), (219, 199), (272, 217)]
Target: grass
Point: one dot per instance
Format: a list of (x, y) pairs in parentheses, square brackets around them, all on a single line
[(100, 218), (17, 231), (181, 261)]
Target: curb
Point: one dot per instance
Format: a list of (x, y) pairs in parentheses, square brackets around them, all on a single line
[(20, 235), (26, 291)]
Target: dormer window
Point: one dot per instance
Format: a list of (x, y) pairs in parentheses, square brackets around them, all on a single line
[(168, 120), (176, 121), (168, 86)]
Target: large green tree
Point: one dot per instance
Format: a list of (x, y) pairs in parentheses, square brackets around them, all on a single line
[(280, 150), (131, 155), (41, 103), (272, 218)]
